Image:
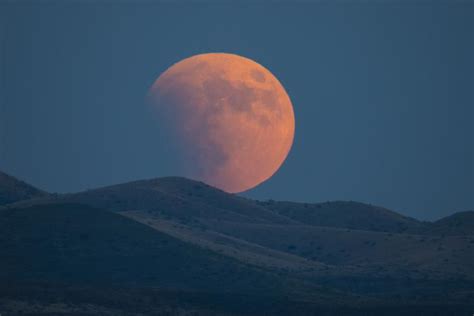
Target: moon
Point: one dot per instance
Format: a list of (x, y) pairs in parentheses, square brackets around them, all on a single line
[(231, 118)]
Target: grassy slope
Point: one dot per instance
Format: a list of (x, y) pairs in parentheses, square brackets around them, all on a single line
[(177, 198), (421, 256), (222, 243), (77, 244), (345, 214)]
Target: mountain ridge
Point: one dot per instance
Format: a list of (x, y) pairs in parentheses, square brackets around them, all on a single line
[(180, 189)]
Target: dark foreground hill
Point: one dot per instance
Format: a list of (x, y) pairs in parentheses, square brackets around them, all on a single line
[(180, 247), (76, 244), (70, 254)]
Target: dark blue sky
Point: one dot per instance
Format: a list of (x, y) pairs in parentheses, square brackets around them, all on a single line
[(382, 92)]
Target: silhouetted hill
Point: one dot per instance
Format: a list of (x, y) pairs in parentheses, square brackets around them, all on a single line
[(188, 200), (352, 215), (176, 197), (461, 223), (13, 190)]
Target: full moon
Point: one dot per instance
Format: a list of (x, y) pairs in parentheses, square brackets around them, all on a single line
[(230, 117)]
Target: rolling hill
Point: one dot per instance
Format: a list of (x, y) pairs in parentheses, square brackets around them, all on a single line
[(70, 243), (156, 238), (178, 198), (345, 214), (13, 190), (377, 254), (461, 223)]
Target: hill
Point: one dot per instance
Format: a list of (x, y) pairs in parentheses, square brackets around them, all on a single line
[(324, 238), (461, 223), (361, 252), (177, 198), (188, 200), (81, 245), (175, 242), (13, 190), (345, 214)]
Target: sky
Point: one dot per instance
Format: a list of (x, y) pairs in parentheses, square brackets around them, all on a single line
[(382, 93)]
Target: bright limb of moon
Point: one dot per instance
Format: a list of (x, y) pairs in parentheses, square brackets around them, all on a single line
[(232, 118)]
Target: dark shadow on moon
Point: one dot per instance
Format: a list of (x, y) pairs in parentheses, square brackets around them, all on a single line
[(196, 150)]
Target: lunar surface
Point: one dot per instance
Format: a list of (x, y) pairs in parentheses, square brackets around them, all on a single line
[(232, 119)]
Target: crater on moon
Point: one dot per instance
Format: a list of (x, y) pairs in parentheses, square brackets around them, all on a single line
[(258, 76)]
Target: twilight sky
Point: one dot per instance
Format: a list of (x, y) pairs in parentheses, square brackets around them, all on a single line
[(383, 94)]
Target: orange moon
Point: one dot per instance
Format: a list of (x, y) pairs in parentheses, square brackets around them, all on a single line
[(231, 117)]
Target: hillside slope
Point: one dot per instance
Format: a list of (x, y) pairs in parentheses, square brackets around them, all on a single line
[(345, 214), (13, 190), (461, 223), (377, 254), (188, 200), (178, 198), (81, 245)]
